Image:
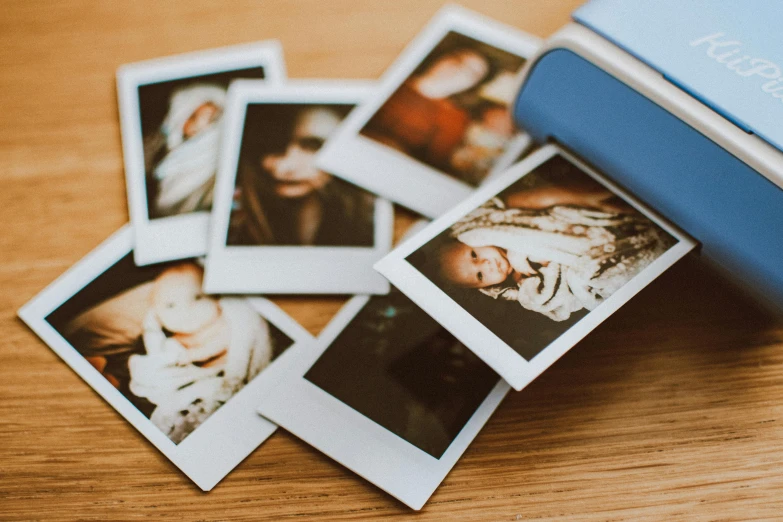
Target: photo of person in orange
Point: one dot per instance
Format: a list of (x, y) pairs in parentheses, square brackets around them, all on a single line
[(452, 113)]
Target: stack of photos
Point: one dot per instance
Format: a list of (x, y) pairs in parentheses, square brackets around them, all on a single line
[(532, 262), (440, 121), (242, 183)]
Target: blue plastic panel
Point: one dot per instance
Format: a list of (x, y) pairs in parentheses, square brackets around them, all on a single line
[(735, 212), (726, 53)]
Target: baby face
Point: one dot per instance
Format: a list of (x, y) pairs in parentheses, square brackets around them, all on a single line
[(474, 267), (205, 114), (178, 302)]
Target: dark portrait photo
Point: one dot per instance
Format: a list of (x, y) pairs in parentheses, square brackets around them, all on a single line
[(541, 254), (452, 113), (173, 352), (180, 125), (281, 197), (398, 367)]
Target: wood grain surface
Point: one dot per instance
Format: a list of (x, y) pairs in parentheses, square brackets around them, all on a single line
[(670, 410)]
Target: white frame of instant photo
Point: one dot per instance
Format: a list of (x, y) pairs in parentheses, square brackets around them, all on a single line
[(289, 269), (181, 236), (224, 439), (517, 371), (354, 440), (393, 174)]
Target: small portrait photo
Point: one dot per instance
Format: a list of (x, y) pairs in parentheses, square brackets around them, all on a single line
[(168, 357), (281, 197), (387, 378), (313, 232), (172, 120), (535, 259), (180, 125), (440, 123), (453, 112)]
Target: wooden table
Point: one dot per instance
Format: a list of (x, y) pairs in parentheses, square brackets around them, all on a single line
[(670, 410)]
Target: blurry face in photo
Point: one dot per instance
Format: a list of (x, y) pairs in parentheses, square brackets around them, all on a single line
[(293, 172), (281, 197), (204, 114), (179, 303), (180, 129), (453, 73)]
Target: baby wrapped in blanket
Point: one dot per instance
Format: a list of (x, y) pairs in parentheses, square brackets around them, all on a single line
[(554, 260), (182, 156), (200, 351)]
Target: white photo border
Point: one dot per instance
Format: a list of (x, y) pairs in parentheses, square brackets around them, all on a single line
[(354, 440), (393, 174), (517, 371), (289, 269), (181, 236), (227, 436)]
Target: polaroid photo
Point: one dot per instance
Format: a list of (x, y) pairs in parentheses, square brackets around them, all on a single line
[(281, 225), (185, 369), (388, 393), (440, 122), (171, 117), (533, 261)]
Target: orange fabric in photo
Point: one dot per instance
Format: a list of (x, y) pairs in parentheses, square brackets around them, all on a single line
[(415, 124)]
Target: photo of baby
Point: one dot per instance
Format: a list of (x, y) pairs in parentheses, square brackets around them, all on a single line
[(394, 364), (452, 113), (180, 125), (176, 354), (280, 197), (533, 260)]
